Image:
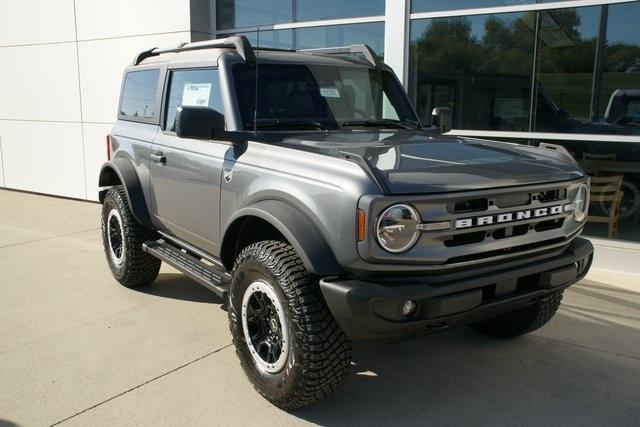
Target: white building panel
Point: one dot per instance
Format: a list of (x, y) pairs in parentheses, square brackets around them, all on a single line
[(39, 83), (1, 167), (43, 157), (95, 154), (36, 21), (101, 65), (118, 18)]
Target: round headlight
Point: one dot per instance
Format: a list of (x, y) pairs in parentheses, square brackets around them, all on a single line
[(581, 203), (396, 228)]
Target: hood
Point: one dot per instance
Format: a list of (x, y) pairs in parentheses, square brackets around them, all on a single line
[(411, 162)]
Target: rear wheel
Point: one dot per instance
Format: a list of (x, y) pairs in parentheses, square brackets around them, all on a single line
[(522, 321), (289, 345), (122, 238)]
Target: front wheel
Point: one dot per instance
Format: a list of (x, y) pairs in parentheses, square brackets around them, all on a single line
[(521, 321), (289, 345)]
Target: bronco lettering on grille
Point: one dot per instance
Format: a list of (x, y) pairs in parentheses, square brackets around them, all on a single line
[(511, 216)]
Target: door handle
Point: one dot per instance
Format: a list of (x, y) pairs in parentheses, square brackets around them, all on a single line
[(159, 159)]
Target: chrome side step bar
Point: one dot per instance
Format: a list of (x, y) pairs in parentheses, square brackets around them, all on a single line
[(212, 277)]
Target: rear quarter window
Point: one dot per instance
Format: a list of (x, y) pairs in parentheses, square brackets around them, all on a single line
[(139, 95)]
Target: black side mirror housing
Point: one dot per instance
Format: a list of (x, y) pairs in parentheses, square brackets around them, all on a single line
[(442, 117), (198, 122)]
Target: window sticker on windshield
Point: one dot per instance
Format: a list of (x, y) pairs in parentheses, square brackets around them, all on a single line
[(196, 94), (329, 92)]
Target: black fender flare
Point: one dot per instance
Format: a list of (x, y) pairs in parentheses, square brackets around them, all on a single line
[(122, 171), (298, 229)]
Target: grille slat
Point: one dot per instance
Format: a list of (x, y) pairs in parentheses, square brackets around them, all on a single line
[(513, 201), (510, 250)]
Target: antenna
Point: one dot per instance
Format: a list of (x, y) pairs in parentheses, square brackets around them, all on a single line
[(255, 100)]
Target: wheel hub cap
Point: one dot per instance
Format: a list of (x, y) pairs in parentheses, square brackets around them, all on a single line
[(265, 328), (115, 236)]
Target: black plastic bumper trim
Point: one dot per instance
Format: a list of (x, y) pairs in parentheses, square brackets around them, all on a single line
[(371, 311)]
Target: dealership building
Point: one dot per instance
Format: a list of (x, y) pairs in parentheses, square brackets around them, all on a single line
[(523, 71)]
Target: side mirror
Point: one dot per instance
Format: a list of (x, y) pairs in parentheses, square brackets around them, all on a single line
[(442, 117), (198, 122)]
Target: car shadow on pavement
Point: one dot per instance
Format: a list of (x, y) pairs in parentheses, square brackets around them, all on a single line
[(178, 286), (463, 377)]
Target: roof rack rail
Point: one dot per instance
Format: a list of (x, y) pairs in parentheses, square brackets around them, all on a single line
[(365, 50), (240, 43)]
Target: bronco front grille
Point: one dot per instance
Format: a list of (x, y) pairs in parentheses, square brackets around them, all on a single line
[(495, 239), (482, 225)]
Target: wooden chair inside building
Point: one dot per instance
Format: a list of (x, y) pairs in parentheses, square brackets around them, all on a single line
[(605, 202)]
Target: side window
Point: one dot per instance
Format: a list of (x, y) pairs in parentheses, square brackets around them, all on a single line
[(139, 95), (197, 87)]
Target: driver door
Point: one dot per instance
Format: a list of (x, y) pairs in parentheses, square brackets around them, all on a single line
[(186, 173)]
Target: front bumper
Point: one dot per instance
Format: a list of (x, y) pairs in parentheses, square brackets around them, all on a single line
[(371, 310)]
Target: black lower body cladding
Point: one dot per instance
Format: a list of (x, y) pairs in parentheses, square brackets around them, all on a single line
[(367, 310)]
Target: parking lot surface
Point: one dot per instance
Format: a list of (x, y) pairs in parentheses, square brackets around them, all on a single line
[(78, 349)]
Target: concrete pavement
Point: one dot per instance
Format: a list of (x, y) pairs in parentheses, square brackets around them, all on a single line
[(77, 348)]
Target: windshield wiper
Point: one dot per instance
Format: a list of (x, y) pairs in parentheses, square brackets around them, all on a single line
[(277, 123), (382, 123)]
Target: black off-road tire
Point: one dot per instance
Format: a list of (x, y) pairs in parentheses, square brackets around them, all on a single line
[(137, 268), (319, 353), (522, 321)]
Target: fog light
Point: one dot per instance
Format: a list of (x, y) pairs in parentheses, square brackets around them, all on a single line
[(409, 308)]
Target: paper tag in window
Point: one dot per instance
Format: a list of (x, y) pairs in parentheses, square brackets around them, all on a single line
[(196, 94), (329, 92)]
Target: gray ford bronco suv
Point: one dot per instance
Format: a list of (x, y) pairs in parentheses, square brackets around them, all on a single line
[(301, 188)]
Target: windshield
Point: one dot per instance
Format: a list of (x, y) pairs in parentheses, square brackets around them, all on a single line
[(298, 96), (624, 109)]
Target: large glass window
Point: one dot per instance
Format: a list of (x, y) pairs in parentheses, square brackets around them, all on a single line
[(600, 93), (478, 65), (567, 48), (250, 13), (314, 10), (589, 70), (371, 34), (618, 86), (197, 87), (139, 95)]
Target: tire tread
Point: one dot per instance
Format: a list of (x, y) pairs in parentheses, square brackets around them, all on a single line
[(324, 351), (140, 268)]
